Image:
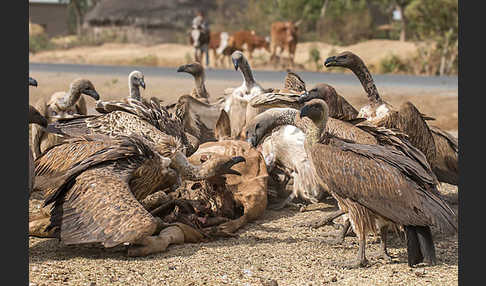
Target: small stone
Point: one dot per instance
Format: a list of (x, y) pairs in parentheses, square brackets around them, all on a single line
[(334, 279)]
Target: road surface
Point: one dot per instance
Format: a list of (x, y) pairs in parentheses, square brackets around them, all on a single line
[(443, 83)]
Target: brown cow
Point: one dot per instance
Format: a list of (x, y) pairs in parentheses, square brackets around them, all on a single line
[(251, 39), (284, 35)]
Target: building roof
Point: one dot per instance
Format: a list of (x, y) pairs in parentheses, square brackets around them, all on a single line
[(170, 14), (50, 1)]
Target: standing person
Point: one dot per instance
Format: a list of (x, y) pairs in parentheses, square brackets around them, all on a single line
[(200, 35)]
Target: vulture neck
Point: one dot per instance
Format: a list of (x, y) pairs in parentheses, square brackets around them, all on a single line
[(248, 79), (134, 91), (200, 86), (314, 131), (284, 116), (364, 76), (71, 97)]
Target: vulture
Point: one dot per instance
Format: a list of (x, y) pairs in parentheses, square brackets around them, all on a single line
[(197, 71), (196, 114), (96, 195), (236, 103), (146, 118), (59, 106), (34, 118), (375, 185), (293, 82), (135, 80), (436, 144)]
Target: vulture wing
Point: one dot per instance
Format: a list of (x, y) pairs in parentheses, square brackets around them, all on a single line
[(384, 180)]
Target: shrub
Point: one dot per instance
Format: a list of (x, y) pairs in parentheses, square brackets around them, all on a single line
[(315, 57), (392, 64), (40, 42)]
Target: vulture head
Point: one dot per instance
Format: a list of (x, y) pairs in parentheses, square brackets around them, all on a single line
[(136, 79), (32, 81), (84, 86), (345, 59), (194, 69), (238, 59), (316, 110), (36, 117)]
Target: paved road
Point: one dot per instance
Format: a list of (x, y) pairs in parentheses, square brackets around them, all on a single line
[(446, 83)]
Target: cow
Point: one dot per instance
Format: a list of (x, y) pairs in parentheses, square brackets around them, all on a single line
[(218, 43), (251, 39), (285, 36)]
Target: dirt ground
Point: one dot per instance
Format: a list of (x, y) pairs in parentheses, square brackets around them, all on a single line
[(270, 251), (167, 54)]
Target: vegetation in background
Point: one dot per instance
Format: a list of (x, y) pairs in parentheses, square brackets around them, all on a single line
[(432, 24), (315, 57), (393, 64), (40, 42)]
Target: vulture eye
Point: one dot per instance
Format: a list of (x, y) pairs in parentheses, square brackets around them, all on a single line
[(70, 112), (257, 126), (53, 113)]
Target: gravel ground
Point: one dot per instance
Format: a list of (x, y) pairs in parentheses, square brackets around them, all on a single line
[(270, 251)]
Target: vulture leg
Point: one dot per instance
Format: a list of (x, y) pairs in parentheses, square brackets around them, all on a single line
[(342, 233), (281, 205), (361, 259), (383, 244)]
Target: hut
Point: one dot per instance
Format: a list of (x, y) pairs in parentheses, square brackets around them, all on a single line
[(144, 21)]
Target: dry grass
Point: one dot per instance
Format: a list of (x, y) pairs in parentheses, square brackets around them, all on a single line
[(268, 249), (372, 52)]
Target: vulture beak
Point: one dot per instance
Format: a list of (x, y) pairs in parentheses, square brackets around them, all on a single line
[(39, 119), (251, 140), (92, 93), (182, 68), (32, 81), (303, 97), (304, 111), (235, 63), (330, 61), (142, 83)]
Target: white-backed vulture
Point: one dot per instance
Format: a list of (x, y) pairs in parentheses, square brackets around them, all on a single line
[(96, 198), (59, 106), (406, 118), (34, 118), (147, 118), (375, 185), (197, 71), (236, 105), (293, 82), (135, 80)]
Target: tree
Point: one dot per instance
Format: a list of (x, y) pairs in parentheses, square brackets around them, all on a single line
[(401, 6), (79, 9), (437, 21)]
